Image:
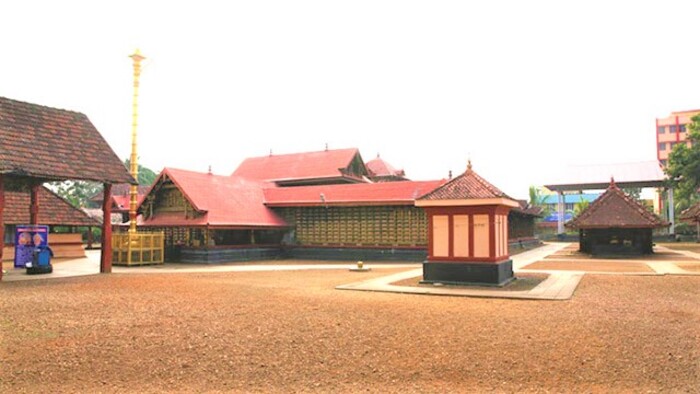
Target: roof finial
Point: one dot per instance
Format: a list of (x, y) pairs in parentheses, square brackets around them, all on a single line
[(469, 165), (209, 172), (449, 174), (326, 146), (612, 181), (377, 155), (270, 152)]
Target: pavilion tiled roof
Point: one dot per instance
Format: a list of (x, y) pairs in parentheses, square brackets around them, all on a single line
[(385, 193), (691, 214), (615, 209), (297, 166), (379, 167), (53, 210), (222, 201), (55, 144), (467, 186)]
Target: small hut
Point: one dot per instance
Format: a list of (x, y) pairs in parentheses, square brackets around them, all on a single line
[(692, 215), (616, 224)]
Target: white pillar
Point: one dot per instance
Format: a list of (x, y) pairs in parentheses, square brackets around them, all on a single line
[(671, 209), (560, 212)]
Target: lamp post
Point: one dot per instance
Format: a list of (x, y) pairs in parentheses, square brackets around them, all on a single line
[(134, 167)]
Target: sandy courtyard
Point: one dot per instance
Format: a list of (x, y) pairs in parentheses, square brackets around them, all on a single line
[(292, 332)]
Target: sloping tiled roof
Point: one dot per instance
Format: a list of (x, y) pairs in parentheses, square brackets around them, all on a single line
[(121, 189), (465, 187), (52, 143), (379, 167), (691, 214), (525, 208), (615, 209), (223, 200), (53, 210), (309, 165), (386, 193)]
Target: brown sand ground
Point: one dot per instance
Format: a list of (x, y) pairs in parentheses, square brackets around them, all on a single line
[(589, 265), (292, 332)]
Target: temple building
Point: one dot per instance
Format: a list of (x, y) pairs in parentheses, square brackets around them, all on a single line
[(616, 223), (381, 171), (314, 205)]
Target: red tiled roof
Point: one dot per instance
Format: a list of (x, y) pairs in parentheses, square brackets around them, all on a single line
[(52, 143), (121, 203), (465, 187), (379, 167), (615, 209), (121, 189), (387, 193), (223, 200), (53, 210), (309, 165)]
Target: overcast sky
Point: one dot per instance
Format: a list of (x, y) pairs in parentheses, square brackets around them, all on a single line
[(521, 87)]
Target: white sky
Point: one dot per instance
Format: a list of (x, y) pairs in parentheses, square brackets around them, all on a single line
[(521, 87)]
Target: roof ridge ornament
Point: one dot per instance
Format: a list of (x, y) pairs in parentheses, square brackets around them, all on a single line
[(612, 181), (469, 164)]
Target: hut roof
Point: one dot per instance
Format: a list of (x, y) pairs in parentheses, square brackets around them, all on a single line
[(55, 144), (53, 210), (327, 164), (615, 209), (385, 193), (467, 186), (691, 214)]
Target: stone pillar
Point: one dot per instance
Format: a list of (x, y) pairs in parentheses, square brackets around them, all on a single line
[(560, 212), (106, 254)]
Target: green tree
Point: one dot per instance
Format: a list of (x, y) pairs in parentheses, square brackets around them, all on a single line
[(77, 193), (581, 206), (634, 192), (146, 175), (683, 168), (537, 199)]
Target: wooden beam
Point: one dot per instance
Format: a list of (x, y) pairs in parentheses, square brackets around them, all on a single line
[(34, 205), (106, 255)]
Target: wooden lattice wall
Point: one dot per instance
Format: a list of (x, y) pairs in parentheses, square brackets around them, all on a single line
[(358, 226)]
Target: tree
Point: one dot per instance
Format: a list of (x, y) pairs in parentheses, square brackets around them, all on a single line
[(537, 199), (146, 175), (77, 193), (634, 192), (581, 206), (683, 167)]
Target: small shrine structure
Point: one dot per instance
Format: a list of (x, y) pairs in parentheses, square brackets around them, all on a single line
[(616, 224), (467, 232)]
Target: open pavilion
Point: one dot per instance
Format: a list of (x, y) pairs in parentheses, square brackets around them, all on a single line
[(597, 177), (42, 144)]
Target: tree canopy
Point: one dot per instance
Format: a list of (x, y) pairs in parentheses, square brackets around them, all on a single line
[(683, 167)]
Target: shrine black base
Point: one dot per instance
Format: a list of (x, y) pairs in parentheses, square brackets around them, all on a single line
[(468, 273)]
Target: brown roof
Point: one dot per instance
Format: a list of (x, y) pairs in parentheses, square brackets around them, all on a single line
[(615, 209), (380, 168), (465, 187), (53, 210), (56, 144), (691, 214), (525, 208)]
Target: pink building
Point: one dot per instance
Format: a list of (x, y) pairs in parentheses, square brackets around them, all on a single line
[(670, 131)]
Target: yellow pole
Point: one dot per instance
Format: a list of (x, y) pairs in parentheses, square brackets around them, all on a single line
[(137, 58)]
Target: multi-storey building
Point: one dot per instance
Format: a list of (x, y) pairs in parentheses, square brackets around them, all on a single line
[(670, 131)]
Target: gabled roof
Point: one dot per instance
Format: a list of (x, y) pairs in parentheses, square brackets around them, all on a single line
[(380, 168), (55, 144), (222, 200), (615, 209), (121, 189), (387, 193), (297, 166), (53, 210), (467, 186)]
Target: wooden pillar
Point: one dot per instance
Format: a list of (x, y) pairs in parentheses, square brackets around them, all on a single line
[(90, 238), (2, 222), (34, 206), (106, 255)]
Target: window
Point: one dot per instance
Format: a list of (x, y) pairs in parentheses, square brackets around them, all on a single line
[(661, 129), (672, 128), (662, 146), (681, 128)]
